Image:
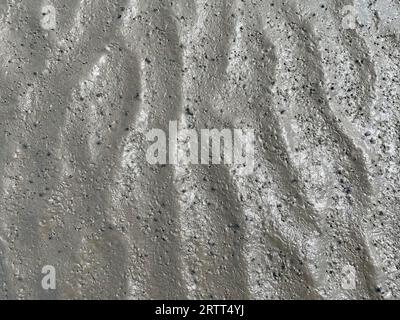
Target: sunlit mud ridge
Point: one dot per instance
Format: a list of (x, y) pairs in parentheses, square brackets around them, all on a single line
[(82, 85)]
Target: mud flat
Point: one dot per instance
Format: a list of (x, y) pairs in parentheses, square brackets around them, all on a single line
[(317, 81)]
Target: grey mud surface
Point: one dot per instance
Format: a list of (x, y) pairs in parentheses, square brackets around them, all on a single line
[(77, 193)]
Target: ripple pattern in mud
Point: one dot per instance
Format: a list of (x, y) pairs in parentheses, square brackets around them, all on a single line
[(77, 193)]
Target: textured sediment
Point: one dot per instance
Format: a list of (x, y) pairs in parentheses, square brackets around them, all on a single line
[(77, 193)]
